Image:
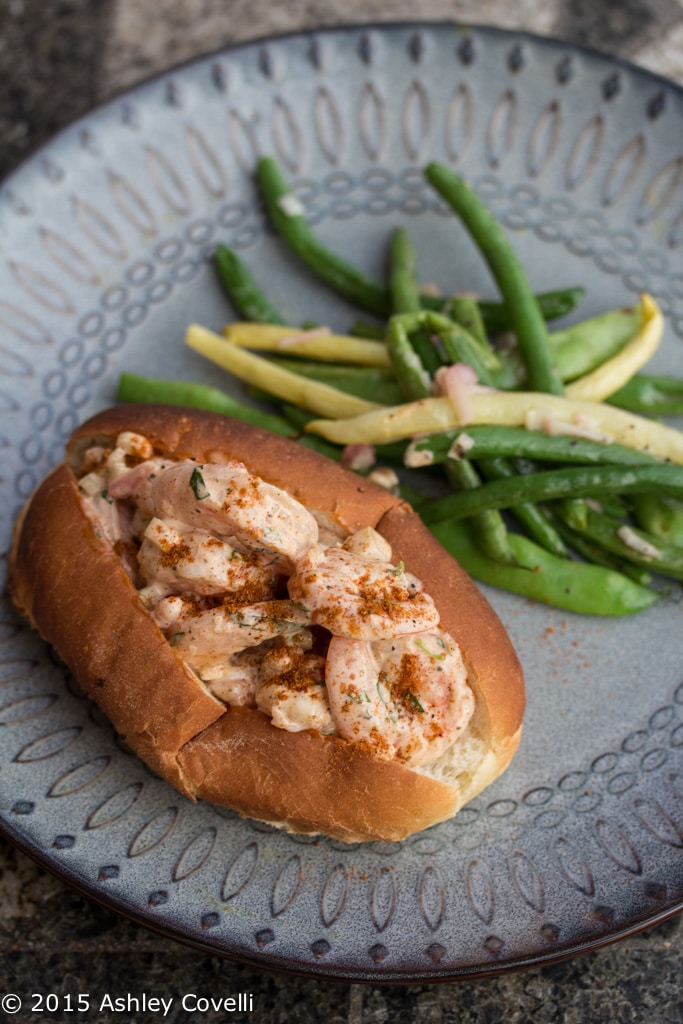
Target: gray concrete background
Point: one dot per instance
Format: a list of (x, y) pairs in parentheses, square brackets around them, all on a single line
[(57, 60)]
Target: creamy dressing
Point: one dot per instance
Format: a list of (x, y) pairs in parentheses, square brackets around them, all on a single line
[(318, 630)]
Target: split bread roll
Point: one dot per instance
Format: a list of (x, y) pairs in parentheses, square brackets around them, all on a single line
[(73, 585)]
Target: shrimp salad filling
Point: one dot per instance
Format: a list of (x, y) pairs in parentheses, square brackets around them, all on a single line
[(318, 632)]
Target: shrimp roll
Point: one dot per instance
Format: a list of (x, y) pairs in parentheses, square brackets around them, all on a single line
[(267, 630)]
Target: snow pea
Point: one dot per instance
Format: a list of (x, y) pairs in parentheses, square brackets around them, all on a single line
[(571, 585)]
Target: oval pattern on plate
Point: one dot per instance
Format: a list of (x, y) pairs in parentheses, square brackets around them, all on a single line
[(286, 135), (98, 228), (613, 840), (372, 122), (383, 898), (574, 867), (48, 745), (41, 289), (527, 880), (240, 872), (68, 258), (286, 885), (622, 173), (114, 807), (660, 192), (459, 123), (132, 204), (480, 891), (24, 326), (333, 896), (242, 140), (658, 822), (432, 896), (79, 778), (194, 855), (585, 153), (416, 121), (543, 140), (502, 129), (23, 708), (205, 162), (167, 182), (153, 832), (329, 126)]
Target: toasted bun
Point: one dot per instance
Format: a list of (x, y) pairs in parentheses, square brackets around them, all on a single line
[(69, 583)]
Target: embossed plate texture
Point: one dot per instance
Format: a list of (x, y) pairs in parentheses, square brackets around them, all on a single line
[(104, 237)]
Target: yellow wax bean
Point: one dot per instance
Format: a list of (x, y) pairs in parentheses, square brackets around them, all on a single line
[(617, 371), (531, 409), (316, 343), (263, 373)]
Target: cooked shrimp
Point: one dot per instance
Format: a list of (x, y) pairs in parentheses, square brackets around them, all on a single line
[(361, 599), (369, 545), (407, 697), (292, 689), (226, 645), (235, 681), (204, 637), (187, 561), (230, 501)]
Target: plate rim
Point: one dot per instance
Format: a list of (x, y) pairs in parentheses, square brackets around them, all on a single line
[(303, 33)]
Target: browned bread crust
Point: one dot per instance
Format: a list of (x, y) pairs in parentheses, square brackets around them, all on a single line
[(70, 584)]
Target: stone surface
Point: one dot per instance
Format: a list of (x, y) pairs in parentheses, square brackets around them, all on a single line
[(56, 61)]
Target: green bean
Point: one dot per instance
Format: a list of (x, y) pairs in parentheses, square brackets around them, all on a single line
[(573, 511), (527, 320), (548, 485), (363, 329), (514, 442), (464, 310), (461, 347), (536, 523), (292, 225), (405, 297), (375, 383), (553, 305), (541, 576), (410, 371), (651, 395), (581, 348), (249, 301), (405, 293), (488, 528), (134, 388), (660, 516)]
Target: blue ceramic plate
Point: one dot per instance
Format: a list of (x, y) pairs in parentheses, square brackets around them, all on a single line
[(104, 238)]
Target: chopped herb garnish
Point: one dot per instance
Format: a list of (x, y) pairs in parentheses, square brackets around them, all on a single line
[(399, 569), (197, 484), (423, 647), (382, 691), (415, 702)]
